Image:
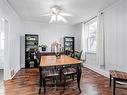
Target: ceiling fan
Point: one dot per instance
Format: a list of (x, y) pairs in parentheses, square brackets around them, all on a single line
[(56, 13)]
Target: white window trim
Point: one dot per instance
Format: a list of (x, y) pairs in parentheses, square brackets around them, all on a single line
[(88, 23)]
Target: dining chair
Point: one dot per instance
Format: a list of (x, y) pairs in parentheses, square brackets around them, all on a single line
[(71, 70), (68, 71), (36, 58), (117, 76), (77, 54), (49, 73)]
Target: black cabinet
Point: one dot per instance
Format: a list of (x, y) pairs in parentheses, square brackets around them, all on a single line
[(31, 45), (69, 45)]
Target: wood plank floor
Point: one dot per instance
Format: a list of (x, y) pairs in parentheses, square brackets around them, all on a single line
[(26, 83)]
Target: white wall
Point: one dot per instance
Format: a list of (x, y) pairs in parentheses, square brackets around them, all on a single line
[(77, 33), (48, 33), (115, 21), (13, 37)]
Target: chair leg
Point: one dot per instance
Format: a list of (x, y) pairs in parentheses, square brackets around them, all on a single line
[(39, 90), (60, 75), (53, 81), (44, 84), (64, 81), (56, 84), (40, 81), (114, 85), (110, 81), (73, 77)]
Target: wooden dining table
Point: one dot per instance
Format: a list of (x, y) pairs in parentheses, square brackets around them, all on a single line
[(63, 60)]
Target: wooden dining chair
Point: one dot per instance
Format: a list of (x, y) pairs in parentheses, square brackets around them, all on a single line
[(68, 71), (117, 76), (77, 54), (71, 70), (49, 73)]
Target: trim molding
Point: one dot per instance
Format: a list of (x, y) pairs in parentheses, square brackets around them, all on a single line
[(98, 70), (14, 74)]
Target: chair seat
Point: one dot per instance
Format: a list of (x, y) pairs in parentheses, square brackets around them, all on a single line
[(50, 73), (70, 70), (118, 74)]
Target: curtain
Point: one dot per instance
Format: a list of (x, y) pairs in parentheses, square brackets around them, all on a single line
[(100, 53), (84, 41)]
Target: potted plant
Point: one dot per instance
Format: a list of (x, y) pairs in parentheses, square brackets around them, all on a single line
[(43, 47)]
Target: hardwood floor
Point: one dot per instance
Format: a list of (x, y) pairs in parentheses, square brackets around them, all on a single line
[(26, 83)]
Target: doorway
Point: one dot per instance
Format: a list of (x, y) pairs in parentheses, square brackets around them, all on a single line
[(4, 55), (2, 37)]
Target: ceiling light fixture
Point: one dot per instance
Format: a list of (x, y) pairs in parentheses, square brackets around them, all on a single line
[(57, 15)]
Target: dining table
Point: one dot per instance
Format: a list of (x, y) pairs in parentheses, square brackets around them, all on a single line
[(61, 61)]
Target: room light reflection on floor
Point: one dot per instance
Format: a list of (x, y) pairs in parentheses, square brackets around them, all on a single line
[(2, 88)]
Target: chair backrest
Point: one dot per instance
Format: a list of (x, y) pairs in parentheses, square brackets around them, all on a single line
[(77, 55)]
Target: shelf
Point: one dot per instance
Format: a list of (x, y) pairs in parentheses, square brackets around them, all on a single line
[(31, 45), (69, 44), (31, 42)]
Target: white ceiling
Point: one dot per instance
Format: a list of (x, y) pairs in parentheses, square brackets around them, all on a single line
[(81, 9)]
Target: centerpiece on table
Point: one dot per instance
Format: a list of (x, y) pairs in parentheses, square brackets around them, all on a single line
[(56, 47)]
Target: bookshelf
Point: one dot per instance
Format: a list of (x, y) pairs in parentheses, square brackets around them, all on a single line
[(31, 43), (69, 45)]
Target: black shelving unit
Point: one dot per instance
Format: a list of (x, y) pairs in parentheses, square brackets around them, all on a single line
[(69, 45), (31, 43)]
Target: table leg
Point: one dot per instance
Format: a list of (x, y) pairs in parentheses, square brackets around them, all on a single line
[(44, 85), (40, 81), (79, 76), (60, 74)]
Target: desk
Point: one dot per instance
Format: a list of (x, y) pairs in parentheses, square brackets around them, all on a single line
[(47, 61)]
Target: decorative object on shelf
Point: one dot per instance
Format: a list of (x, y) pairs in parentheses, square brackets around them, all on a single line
[(43, 47)]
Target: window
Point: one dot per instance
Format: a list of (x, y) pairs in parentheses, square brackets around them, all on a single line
[(91, 37), (2, 40), (2, 35)]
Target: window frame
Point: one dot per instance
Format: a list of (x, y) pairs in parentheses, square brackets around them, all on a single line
[(88, 32)]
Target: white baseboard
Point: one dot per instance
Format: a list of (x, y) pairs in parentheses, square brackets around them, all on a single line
[(98, 70), (15, 73)]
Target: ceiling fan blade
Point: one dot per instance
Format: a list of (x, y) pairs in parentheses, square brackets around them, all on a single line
[(48, 14), (64, 20), (61, 18), (53, 18), (65, 14)]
